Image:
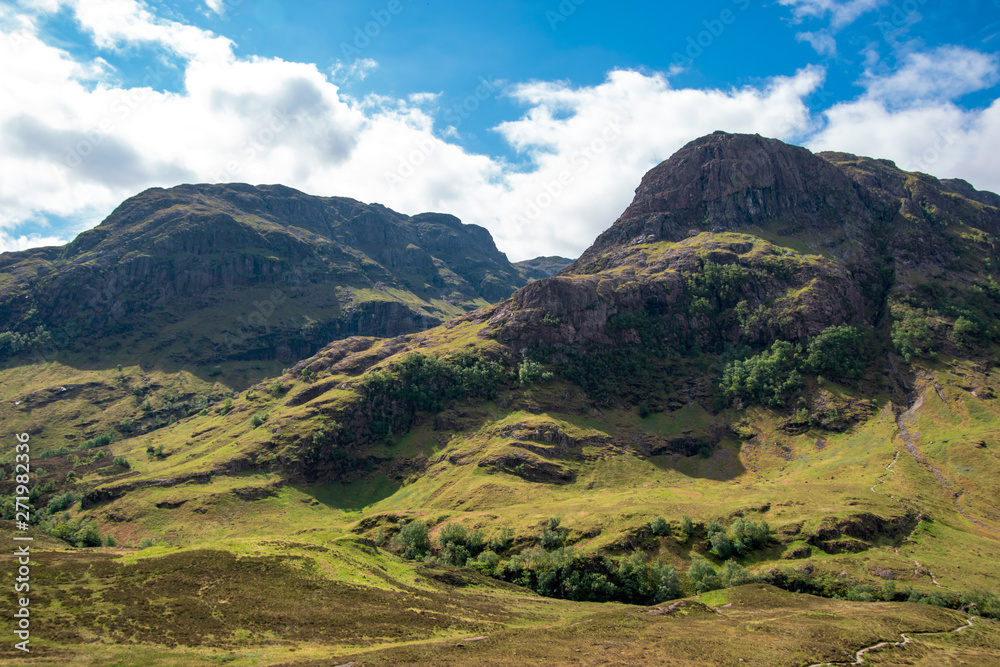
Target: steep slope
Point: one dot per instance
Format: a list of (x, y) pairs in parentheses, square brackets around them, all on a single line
[(764, 335), (206, 274)]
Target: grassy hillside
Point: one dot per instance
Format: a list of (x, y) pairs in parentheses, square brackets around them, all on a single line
[(795, 434)]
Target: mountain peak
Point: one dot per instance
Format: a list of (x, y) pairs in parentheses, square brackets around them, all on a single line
[(734, 182)]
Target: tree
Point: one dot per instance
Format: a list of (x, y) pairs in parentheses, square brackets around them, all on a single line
[(413, 540), (659, 526), (702, 575)]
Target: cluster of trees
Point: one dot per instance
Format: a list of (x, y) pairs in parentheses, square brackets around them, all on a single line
[(983, 603), (553, 569), (423, 382), (565, 573), (13, 343), (715, 287), (739, 539), (775, 375)]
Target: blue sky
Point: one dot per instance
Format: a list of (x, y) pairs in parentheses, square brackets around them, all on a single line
[(533, 118)]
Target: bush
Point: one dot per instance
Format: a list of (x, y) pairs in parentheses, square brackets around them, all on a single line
[(911, 336), (99, 441), (965, 333), (553, 536), (659, 526), (413, 540), (258, 419), (530, 372), (227, 405), (110, 541), (702, 576), (458, 545), (687, 528), (121, 462), (502, 540), (739, 539), (146, 542)]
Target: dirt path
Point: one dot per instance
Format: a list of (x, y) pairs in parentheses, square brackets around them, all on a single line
[(859, 657)]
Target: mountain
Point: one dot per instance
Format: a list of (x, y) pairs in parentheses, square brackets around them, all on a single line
[(766, 394), (542, 267), (201, 275)]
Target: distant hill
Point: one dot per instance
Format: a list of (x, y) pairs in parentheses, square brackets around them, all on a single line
[(542, 267), (207, 274)]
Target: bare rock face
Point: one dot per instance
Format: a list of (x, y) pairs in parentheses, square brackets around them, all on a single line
[(730, 182), (804, 242)]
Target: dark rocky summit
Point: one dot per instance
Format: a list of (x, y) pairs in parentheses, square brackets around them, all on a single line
[(264, 272)]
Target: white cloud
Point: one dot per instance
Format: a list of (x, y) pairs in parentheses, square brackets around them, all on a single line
[(357, 70), (217, 6), (841, 12), (908, 115), (76, 146), (823, 42), (9, 243), (947, 72)]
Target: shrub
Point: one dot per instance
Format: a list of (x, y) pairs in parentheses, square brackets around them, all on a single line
[(553, 536), (258, 419), (965, 333), (659, 526), (530, 372), (502, 540), (702, 576), (121, 462), (146, 542), (227, 405), (911, 336), (110, 541), (687, 528), (741, 537), (99, 441), (413, 540)]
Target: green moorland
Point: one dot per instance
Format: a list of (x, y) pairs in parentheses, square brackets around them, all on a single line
[(733, 446)]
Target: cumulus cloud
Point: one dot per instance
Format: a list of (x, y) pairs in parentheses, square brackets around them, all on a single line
[(77, 144), (909, 115), (946, 72)]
